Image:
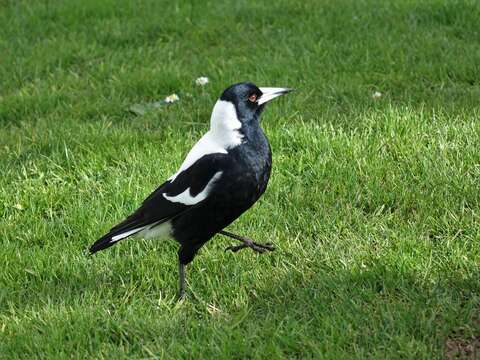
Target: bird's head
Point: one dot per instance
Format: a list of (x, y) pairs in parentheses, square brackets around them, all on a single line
[(241, 104)]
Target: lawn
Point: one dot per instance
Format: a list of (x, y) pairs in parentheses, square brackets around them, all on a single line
[(373, 203)]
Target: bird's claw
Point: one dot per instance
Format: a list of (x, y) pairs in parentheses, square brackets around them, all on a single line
[(260, 248)]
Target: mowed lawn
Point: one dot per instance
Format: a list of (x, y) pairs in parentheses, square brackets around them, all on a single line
[(373, 202)]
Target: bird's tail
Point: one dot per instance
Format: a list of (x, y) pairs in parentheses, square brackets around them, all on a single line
[(112, 238)]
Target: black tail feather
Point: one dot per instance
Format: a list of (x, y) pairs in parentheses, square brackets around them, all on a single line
[(103, 243), (107, 240)]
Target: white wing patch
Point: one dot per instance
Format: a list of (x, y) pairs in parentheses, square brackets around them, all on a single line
[(126, 234), (187, 199)]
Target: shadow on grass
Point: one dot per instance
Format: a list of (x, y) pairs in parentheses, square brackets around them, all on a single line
[(375, 310), (366, 311)]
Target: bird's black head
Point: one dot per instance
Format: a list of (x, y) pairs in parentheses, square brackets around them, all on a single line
[(244, 97), (236, 114), (249, 99)]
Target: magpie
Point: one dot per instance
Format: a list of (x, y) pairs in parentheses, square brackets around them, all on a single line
[(222, 176)]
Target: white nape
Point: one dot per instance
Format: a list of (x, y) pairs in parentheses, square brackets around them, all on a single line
[(187, 199), (224, 124), (224, 134)]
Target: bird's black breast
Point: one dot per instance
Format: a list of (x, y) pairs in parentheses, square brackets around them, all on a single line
[(255, 159), (244, 179)]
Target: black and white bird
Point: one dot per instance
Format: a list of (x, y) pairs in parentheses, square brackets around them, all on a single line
[(222, 176)]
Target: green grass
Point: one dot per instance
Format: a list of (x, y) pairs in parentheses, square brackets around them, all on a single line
[(373, 203)]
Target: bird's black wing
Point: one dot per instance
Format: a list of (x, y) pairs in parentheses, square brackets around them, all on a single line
[(195, 182)]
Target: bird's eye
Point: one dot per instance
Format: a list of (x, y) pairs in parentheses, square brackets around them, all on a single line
[(252, 98)]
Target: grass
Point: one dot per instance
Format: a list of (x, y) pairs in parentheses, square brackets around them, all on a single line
[(373, 203)]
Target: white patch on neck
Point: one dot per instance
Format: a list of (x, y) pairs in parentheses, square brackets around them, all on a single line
[(187, 199), (224, 134), (224, 124)]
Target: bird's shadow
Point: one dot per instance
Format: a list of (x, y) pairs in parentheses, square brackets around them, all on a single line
[(353, 305)]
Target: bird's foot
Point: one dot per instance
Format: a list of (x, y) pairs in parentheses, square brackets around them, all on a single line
[(181, 296), (249, 243)]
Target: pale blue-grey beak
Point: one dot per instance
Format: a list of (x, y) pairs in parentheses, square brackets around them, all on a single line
[(270, 93)]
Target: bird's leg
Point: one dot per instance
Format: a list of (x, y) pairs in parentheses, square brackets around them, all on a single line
[(181, 273), (247, 243)]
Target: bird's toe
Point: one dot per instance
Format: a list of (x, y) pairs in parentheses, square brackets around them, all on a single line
[(265, 247), (235, 248)]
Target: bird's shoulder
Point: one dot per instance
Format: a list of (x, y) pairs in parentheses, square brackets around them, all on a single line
[(207, 145)]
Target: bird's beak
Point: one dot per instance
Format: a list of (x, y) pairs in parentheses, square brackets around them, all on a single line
[(270, 93)]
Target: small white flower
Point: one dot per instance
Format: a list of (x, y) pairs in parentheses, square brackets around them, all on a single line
[(376, 95), (202, 81), (18, 206), (172, 98)]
